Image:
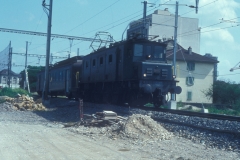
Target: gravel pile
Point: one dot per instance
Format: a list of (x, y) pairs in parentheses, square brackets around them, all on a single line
[(144, 128), (136, 129)]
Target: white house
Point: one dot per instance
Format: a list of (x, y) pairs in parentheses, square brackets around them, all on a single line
[(14, 79), (195, 73)]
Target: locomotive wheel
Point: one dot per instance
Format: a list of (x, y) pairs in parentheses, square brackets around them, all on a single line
[(157, 104), (158, 101)]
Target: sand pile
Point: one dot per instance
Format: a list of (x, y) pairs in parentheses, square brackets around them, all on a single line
[(25, 103)]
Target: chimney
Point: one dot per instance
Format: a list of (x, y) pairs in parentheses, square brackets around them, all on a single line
[(190, 50)]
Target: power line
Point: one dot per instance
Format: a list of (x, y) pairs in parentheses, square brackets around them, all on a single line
[(210, 30), (94, 16), (52, 35), (41, 56), (200, 28), (190, 11)]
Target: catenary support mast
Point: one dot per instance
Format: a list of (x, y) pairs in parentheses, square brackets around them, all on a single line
[(49, 14)]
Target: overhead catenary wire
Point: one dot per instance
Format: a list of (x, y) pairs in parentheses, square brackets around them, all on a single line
[(93, 16), (123, 21)]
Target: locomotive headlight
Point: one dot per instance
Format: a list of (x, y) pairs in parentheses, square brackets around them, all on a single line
[(144, 75), (148, 56), (174, 76)]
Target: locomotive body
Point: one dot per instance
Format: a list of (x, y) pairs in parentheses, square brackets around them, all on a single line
[(133, 71)]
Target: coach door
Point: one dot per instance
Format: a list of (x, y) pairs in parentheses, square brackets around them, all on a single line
[(118, 64), (67, 81)]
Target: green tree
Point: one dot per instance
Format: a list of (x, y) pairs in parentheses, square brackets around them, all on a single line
[(226, 93), (32, 76)]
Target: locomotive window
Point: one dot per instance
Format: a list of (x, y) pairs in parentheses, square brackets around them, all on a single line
[(110, 58), (94, 62), (138, 50), (101, 60), (158, 52), (148, 50)]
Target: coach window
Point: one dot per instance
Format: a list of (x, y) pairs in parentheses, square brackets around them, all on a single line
[(86, 64), (60, 74), (101, 60), (110, 58), (94, 62), (138, 50)]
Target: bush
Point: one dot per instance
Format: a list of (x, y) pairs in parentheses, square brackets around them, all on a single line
[(12, 92)]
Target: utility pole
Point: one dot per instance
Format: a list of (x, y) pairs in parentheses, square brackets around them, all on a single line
[(9, 66), (25, 78), (144, 19), (48, 11), (173, 96), (173, 104)]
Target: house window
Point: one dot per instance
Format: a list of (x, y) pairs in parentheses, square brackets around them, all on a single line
[(101, 60), (4, 80), (14, 80), (94, 63), (189, 81), (189, 96), (110, 58), (190, 66)]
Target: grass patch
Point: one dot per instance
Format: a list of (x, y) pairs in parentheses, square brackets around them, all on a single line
[(225, 111), (13, 92)]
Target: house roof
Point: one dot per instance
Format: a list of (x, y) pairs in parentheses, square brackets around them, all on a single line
[(5, 72), (183, 55)]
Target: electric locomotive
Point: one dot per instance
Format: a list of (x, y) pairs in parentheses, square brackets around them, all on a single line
[(134, 71)]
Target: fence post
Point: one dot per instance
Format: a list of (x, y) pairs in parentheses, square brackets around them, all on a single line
[(81, 108)]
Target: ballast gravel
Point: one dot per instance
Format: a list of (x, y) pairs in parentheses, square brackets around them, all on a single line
[(140, 133)]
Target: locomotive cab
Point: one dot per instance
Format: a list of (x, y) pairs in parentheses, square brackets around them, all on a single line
[(152, 74)]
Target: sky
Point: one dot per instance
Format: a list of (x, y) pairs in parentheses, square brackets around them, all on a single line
[(219, 21)]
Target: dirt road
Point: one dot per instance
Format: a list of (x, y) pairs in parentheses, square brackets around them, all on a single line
[(40, 135), (25, 141)]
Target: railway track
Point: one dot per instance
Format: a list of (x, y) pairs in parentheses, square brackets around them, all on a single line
[(194, 114)]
